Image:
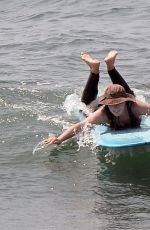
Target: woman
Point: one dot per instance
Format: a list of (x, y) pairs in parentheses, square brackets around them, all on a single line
[(118, 108)]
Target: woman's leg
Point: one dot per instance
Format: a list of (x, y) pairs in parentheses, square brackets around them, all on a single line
[(91, 88), (113, 73)]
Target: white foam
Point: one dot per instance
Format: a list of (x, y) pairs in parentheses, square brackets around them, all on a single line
[(44, 118), (73, 102)]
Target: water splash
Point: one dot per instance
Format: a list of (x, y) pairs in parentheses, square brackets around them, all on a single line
[(73, 102), (40, 146), (85, 137)]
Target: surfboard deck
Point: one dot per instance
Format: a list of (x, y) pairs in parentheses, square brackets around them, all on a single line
[(106, 137)]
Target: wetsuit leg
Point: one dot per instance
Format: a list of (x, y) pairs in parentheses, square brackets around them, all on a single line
[(117, 79), (91, 89)]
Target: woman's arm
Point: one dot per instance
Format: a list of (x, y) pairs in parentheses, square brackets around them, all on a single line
[(141, 108), (97, 117), (67, 134)]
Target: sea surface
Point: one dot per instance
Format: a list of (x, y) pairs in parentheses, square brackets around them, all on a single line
[(72, 186)]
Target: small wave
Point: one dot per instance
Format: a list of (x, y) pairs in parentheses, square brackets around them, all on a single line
[(44, 118), (57, 119), (43, 83)]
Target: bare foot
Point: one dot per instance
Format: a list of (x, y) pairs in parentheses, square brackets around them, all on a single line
[(92, 63), (110, 59)]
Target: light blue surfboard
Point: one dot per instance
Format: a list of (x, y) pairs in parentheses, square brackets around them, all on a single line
[(106, 137)]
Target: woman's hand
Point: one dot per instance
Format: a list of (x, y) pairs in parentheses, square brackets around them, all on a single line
[(52, 141)]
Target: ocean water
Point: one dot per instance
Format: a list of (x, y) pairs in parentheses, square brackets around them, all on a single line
[(71, 186)]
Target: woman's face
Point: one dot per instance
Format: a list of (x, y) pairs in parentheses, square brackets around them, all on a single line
[(117, 110)]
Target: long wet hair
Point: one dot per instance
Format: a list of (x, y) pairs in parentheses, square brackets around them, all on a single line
[(134, 121)]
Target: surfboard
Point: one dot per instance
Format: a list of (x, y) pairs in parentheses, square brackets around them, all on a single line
[(106, 137)]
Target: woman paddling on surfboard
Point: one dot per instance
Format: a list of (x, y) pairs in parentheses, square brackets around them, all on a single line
[(118, 107)]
